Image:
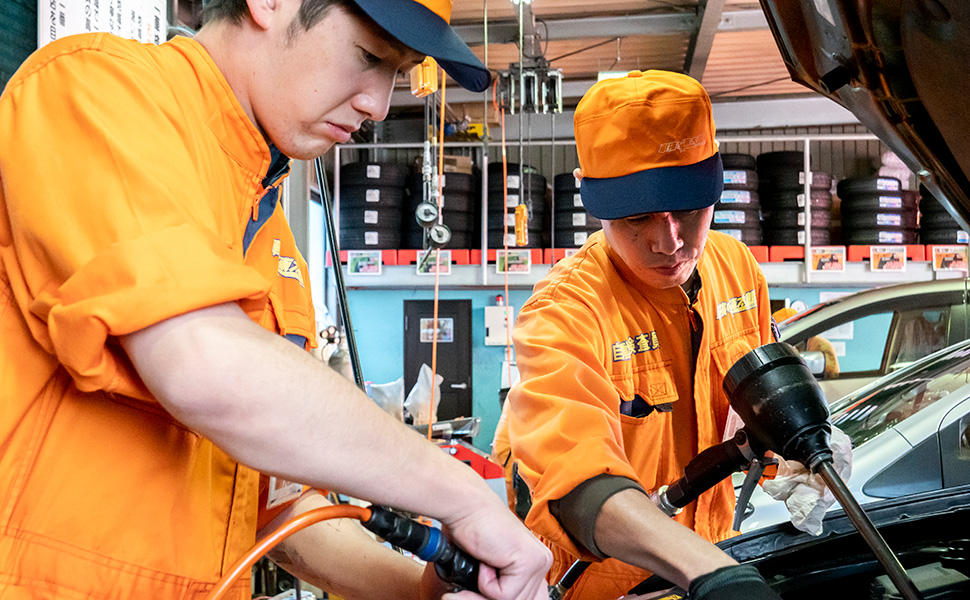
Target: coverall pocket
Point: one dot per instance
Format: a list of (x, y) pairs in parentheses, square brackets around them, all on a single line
[(651, 389)]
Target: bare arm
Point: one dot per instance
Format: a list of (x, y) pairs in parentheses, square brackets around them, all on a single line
[(338, 556), (632, 529), (274, 407)]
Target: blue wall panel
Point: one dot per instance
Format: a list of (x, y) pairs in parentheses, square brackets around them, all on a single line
[(378, 318)]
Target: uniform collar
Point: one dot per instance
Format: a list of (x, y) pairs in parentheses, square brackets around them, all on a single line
[(228, 121)]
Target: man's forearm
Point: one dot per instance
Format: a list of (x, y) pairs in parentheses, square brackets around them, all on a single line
[(630, 528), (338, 556), (274, 407)]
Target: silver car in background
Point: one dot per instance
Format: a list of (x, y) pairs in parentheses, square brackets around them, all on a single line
[(910, 433), (881, 330)]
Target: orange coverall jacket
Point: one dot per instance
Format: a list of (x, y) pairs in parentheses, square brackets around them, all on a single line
[(130, 175), (589, 338)]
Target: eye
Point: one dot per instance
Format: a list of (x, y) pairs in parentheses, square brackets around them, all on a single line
[(370, 58)]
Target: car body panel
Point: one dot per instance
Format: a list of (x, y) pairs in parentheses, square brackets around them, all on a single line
[(905, 321), (888, 420)]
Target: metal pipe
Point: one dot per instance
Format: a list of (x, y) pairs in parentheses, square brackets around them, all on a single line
[(338, 274), (868, 531), (558, 591), (807, 192)]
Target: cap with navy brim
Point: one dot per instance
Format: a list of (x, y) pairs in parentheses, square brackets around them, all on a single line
[(417, 27), (661, 189)]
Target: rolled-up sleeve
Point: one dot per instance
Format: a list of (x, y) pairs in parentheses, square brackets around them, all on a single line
[(111, 223)]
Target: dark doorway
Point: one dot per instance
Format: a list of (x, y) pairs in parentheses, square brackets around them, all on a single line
[(454, 351)]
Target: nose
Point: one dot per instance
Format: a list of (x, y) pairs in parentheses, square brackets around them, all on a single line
[(665, 234), (374, 98)]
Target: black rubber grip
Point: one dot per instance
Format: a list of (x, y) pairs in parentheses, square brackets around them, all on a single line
[(451, 563)]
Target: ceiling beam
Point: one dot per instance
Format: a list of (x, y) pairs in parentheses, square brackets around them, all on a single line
[(507, 31), (699, 48)]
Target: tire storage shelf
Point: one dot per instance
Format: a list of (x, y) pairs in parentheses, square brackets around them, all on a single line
[(766, 202)]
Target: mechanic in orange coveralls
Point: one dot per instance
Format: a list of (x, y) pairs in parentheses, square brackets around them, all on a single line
[(623, 347), (150, 289)]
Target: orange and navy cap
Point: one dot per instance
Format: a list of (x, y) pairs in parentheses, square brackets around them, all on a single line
[(646, 144), (423, 25)]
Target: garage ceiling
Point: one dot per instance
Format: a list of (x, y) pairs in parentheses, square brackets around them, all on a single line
[(726, 44)]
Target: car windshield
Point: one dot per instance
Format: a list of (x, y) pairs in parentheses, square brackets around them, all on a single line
[(874, 409)]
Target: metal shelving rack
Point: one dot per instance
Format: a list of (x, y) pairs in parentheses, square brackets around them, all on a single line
[(791, 273)]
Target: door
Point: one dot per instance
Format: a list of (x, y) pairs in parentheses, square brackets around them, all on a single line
[(454, 351)]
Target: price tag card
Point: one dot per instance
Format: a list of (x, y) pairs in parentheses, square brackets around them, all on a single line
[(828, 258), (513, 261), (887, 258), (364, 262), (443, 264), (949, 258)]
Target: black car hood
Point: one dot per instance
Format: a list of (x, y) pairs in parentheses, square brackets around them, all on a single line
[(900, 67), (920, 529)]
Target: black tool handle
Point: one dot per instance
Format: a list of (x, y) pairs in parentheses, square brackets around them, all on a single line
[(452, 564), (706, 470)]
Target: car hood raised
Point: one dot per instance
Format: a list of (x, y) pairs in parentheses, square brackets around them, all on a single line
[(899, 67)]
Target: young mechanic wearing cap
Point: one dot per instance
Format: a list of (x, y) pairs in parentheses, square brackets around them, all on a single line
[(155, 312), (623, 347)]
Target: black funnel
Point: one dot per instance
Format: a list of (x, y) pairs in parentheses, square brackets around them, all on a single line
[(781, 404)]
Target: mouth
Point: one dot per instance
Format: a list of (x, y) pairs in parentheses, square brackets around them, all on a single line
[(669, 269), (340, 132)]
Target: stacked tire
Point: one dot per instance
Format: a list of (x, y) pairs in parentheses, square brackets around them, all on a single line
[(523, 185), (571, 224), (876, 210), (459, 211), (781, 188), (936, 225), (371, 201), (738, 212)]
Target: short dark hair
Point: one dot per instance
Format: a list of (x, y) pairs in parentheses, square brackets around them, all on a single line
[(311, 11)]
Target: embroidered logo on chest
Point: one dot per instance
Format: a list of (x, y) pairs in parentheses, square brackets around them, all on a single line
[(287, 266), (738, 304), (638, 344)]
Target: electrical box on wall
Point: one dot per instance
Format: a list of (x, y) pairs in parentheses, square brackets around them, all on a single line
[(498, 320)]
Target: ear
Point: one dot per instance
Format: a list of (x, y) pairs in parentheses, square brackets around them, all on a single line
[(578, 174), (262, 11)]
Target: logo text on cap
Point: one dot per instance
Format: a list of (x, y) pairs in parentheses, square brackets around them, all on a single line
[(682, 145)]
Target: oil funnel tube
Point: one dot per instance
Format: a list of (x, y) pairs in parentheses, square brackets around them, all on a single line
[(781, 404)]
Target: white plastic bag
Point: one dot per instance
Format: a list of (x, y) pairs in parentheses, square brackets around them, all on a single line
[(389, 396), (418, 401), (805, 493)]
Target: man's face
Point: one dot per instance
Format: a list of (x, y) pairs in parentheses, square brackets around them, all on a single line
[(661, 249), (312, 88)]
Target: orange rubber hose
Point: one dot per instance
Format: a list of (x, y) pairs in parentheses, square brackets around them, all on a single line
[(337, 511), (432, 415)]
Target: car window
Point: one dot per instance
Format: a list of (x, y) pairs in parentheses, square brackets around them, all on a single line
[(863, 419), (917, 333), (860, 343)]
